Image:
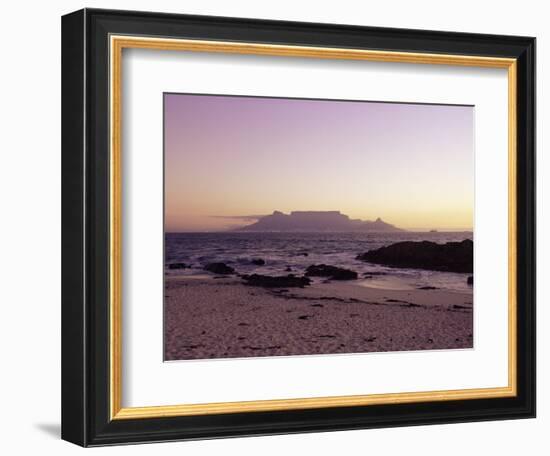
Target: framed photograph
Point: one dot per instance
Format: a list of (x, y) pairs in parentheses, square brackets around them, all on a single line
[(278, 227)]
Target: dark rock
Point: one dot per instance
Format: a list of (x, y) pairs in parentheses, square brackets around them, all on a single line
[(282, 290), (427, 288), (451, 257), (374, 274), (219, 268), (333, 272), (288, 281), (178, 266), (470, 280), (288, 269), (370, 275), (258, 261), (458, 306)]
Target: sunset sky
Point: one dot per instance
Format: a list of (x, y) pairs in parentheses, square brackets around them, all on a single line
[(226, 157)]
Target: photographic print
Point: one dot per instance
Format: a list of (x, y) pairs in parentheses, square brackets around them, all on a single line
[(314, 210), (315, 227)]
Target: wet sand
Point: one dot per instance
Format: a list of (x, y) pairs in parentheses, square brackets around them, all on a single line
[(223, 318)]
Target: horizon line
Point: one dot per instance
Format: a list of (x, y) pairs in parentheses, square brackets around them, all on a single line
[(409, 230)]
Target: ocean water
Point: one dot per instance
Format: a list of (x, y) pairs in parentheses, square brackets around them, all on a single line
[(283, 250)]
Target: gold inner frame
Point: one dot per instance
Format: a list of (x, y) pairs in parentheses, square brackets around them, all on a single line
[(117, 44)]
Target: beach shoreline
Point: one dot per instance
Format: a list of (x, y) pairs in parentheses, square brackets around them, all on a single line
[(221, 317)]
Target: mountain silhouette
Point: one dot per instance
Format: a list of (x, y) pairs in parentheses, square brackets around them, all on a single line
[(308, 221)]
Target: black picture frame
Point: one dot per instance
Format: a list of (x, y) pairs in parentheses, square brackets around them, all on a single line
[(85, 224)]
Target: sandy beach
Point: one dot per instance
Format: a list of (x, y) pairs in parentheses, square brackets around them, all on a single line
[(209, 317)]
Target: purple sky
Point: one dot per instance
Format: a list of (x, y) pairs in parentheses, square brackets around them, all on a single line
[(411, 165)]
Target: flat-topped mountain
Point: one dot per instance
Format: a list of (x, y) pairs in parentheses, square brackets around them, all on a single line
[(307, 221)]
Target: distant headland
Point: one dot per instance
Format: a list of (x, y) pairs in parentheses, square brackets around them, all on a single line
[(316, 221)]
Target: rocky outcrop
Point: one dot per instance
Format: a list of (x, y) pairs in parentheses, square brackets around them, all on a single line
[(288, 281), (219, 268), (258, 261), (178, 266), (449, 257), (332, 272)]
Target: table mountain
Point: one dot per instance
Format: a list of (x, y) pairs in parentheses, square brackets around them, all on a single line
[(313, 221)]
